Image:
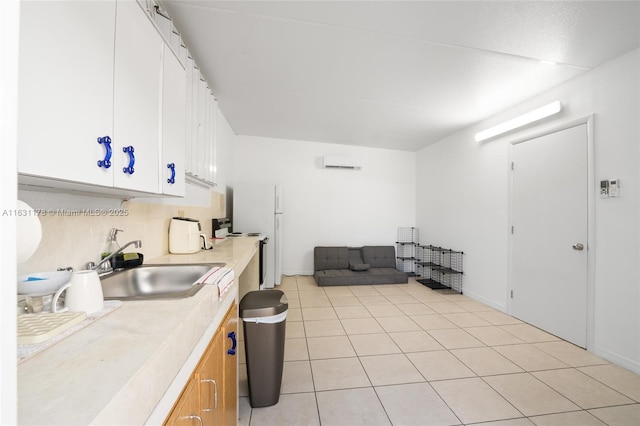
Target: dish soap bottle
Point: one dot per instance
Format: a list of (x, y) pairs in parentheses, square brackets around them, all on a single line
[(111, 245)]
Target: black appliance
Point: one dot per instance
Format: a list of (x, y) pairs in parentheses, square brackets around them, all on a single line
[(220, 227)]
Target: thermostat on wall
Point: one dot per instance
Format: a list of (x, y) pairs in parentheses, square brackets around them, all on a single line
[(609, 188)]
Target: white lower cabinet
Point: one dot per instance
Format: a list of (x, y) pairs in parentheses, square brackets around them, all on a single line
[(93, 106)]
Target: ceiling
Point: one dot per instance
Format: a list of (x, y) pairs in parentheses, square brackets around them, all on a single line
[(391, 74)]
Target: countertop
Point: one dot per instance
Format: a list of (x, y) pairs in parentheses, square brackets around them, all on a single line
[(129, 366)]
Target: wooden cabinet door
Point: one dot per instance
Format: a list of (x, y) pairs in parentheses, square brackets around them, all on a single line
[(210, 375), (210, 397), (173, 125), (136, 97), (231, 367), (65, 89), (187, 409)]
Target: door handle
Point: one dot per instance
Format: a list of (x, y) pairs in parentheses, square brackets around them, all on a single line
[(578, 247), (232, 336), (132, 160), (106, 141), (192, 417), (172, 179), (215, 394)]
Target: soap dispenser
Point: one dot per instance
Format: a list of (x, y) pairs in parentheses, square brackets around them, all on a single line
[(112, 243)]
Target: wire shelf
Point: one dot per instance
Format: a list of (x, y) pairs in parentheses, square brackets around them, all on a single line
[(408, 235), (406, 250), (439, 268)]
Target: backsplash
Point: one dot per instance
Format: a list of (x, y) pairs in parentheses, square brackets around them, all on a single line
[(76, 240)]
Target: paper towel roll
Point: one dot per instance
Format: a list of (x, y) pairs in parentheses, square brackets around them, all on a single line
[(28, 231)]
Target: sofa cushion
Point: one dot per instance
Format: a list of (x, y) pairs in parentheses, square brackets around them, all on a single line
[(358, 266), (330, 258), (332, 277), (379, 256), (355, 255)]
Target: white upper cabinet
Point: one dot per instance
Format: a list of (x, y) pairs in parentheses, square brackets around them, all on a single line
[(189, 107), (137, 85), (66, 89), (98, 97), (201, 129), (201, 133), (195, 122), (174, 129)]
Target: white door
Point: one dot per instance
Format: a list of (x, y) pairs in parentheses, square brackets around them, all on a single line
[(549, 250)]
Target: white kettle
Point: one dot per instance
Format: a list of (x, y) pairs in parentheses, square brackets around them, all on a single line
[(84, 293)]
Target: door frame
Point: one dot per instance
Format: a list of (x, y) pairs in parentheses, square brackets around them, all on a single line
[(591, 196)]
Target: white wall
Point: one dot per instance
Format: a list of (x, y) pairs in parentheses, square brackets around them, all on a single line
[(9, 18), (463, 195), (330, 206)]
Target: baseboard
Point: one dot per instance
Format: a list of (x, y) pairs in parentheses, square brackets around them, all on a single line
[(486, 301), (290, 274), (622, 361), (615, 358)]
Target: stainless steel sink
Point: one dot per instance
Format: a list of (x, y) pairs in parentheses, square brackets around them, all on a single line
[(147, 282)]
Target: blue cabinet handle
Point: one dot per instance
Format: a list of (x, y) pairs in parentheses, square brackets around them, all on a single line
[(106, 141), (232, 336), (132, 160), (172, 179)]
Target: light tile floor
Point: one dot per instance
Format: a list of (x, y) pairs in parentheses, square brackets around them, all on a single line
[(402, 354)]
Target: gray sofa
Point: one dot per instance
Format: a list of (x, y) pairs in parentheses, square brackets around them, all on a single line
[(356, 265)]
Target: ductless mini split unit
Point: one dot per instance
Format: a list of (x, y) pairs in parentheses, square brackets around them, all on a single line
[(335, 162)]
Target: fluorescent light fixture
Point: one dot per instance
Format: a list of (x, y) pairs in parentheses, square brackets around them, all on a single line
[(523, 120)]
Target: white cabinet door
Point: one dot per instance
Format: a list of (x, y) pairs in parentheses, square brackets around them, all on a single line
[(213, 139), (190, 113), (66, 89), (207, 170), (202, 129), (173, 125), (136, 121), (202, 110), (194, 122)]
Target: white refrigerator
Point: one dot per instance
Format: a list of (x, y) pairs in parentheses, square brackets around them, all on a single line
[(258, 208)]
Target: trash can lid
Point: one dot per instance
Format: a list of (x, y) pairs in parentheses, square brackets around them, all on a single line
[(263, 303)]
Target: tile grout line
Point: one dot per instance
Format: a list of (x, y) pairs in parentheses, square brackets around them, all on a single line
[(449, 350), (313, 382)]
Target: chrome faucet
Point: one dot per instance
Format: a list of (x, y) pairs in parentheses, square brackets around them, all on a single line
[(101, 267)]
